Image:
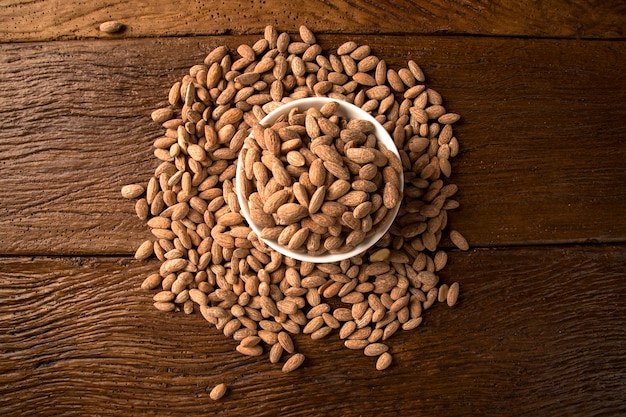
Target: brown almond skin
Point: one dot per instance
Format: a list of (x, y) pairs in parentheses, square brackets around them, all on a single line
[(459, 240), (261, 219), (224, 243), (317, 199), (164, 306), (293, 363), (218, 391), (291, 213), (111, 27), (384, 361), (317, 173), (145, 250), (276, 352), (274, 201), (453, 294), (360, 155), (391, 196), (286, 342), (151, 282), (132, 190), (337, 189), (162, 115)]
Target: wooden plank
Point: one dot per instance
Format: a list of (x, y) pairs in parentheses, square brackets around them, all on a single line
[(542, 159), (22, 20), (537, 331)]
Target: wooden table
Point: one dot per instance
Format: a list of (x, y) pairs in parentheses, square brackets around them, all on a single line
[(540, 327)]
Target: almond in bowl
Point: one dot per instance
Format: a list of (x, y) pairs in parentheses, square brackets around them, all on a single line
[(319, 180)]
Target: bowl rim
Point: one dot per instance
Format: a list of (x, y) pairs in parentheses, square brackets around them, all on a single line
[(345, 109)]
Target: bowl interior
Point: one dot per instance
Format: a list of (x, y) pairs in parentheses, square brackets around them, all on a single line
[(348, 111)]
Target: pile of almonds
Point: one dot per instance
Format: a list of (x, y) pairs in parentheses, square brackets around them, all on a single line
[(211, 260), (317, 183)]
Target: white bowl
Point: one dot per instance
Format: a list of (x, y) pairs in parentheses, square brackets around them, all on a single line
[(349, 111)]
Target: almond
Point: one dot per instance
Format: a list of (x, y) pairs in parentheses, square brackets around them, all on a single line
[(327, 153), (250, 351), (317, 199), (378, 93), (274, 201), (353, 198), (355, 135), (261, 218), (360, 155), (111, 26), (317, 173), (132, 190), (391, 196), (384, 361), (145, 250), (333, 208), (338, 170), (294, 362), (375, 349), (281, 174), (453, 294), (459, 240), (337, 189), (326, 176), (290, 213), (218, 392), (307, 36), (172, 265)]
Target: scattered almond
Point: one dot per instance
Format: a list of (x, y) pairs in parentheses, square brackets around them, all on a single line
[(218, 391), (459, 240), (293, 363), (384, 361), (132, 190), (453, 294), (316, 181), (111, 26), (145, 250), (375, 349)]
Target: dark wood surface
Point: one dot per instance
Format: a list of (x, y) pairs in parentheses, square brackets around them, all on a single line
[(540, 325), (538, 331), (40, 20)]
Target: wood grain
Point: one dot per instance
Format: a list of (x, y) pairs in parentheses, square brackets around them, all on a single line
[(31, 20), (543, 158), (540, 327), (537, 331)]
